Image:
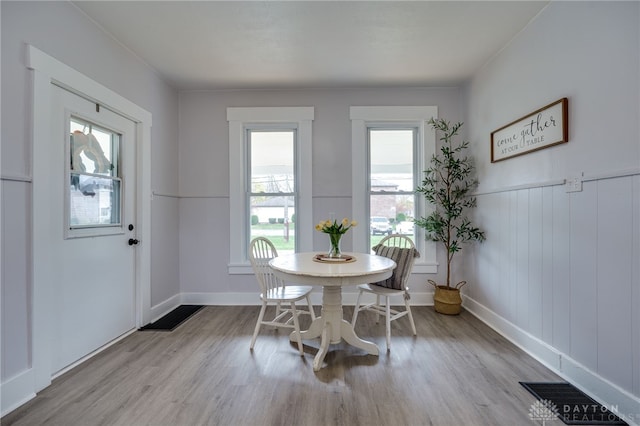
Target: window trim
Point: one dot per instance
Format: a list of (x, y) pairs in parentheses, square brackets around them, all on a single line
[(240, 118), (363, 117)]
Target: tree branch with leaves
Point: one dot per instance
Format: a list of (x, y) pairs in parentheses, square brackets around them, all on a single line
[(448, 185)]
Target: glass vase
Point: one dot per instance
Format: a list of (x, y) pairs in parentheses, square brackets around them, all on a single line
[(334, 246)]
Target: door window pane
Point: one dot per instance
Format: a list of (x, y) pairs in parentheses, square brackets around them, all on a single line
[(94, 183), (93, 201), (93, 149)]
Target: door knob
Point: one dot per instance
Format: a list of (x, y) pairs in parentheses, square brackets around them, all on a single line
[(133, 241)]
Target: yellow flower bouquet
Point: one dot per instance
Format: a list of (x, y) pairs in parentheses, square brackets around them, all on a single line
[(335, 230)]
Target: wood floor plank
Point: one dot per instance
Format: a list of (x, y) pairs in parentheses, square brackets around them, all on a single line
[(456, 371)]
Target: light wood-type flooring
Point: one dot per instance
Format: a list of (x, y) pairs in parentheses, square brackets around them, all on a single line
[(457, 371)]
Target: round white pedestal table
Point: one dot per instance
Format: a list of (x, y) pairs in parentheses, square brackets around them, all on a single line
[(301, 268)]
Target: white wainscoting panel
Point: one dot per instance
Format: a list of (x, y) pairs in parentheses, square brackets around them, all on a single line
[(559, 276), (583, 291), (614, 266)]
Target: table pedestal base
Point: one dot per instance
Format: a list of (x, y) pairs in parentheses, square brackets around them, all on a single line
[(332, 328)]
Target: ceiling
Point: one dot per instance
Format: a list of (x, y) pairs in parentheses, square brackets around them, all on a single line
[(312, 44)]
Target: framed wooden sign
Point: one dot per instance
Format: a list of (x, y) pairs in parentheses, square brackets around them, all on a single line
[(543, 128)]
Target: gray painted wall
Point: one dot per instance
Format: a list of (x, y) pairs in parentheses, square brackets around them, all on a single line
[(60, 30), (204, 170), (562, 269)]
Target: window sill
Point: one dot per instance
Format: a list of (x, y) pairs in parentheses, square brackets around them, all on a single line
[(240, 269), (425, 268)]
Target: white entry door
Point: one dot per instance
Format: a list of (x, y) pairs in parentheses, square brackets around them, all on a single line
[(93, 213)]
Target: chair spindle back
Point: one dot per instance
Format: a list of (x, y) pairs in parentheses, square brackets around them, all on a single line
[(261, 251)]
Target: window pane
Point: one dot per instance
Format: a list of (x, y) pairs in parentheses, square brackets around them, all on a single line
[(274, 218), (272, 159), (391, 214), (92, 148), (391, 160), (93, 201)]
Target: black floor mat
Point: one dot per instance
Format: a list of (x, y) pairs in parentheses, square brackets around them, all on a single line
[(173, 318), (569, 403)]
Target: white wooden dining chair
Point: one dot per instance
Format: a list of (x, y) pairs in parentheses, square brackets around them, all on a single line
[(401, 250), (274, 291)]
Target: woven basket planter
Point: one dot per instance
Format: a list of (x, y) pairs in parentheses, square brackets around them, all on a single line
[(447, 300)]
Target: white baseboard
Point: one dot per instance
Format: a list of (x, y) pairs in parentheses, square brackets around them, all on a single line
[(163, 308), (619, 401), (16, 391)]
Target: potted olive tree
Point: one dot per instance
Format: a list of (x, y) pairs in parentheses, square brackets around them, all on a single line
[(447, 185)]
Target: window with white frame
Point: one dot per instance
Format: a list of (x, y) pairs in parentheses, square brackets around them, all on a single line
[(392, 178), (391, 147), (270, 180), (271, 188)]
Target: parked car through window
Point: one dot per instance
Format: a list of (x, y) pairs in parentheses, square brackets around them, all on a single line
[(380, 226)]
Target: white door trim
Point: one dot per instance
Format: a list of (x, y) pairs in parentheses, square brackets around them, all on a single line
[(48, 70)]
